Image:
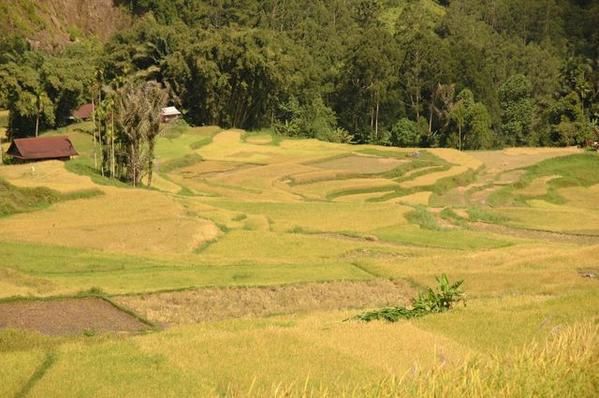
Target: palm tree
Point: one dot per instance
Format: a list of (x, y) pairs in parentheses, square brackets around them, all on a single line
[(138, 124)]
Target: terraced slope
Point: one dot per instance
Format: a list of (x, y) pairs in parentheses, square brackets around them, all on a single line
[(251, 250)]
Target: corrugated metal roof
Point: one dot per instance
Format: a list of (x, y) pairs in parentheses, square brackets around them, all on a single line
[(84, 111), (170, 111), (41, 148)]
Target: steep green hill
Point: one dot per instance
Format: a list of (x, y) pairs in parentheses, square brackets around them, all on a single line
[(54, 23)]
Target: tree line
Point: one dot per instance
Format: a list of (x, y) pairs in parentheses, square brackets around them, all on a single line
[(468, 74)]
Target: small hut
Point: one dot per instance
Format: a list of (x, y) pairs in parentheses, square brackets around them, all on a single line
[(169, 114), (41, 148)]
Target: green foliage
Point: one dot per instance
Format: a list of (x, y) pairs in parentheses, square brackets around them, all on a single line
[(19, 200), (516, 110), (127, 125), (478, 214), (472, 121), (374, 68), (175, 129), (405, 133), (338, 135), (444, 298), (41, 90), (85, 167), (312, 119), (422, 217), (573, 170), (368, 73), (173, 164), (451, 216)]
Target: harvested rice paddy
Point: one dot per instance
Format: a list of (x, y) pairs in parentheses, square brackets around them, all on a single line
[(253, 252)]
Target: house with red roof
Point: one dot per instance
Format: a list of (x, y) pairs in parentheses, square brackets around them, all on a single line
[(41, 148)]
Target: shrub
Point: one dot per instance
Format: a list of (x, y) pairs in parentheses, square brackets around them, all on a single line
[(338, 135), (422, 217), (405, 133), (427, 302)]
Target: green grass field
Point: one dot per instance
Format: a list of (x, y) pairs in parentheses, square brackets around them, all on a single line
[(234, 211)]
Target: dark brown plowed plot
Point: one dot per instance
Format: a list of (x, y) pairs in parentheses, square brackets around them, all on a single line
[(67, 317), (210, 304)]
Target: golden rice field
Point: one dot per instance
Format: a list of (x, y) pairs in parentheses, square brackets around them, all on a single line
[(250, 252)]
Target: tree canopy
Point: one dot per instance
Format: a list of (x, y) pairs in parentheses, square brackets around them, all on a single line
[(469, 74)]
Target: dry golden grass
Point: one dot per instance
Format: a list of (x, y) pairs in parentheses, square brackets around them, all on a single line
[(162, 184), (491, 272), (537, 187), (456, 157), (156, 224), (547, 216), (259, 139), (323, 216), (228, 146), (240, 302), (17, 368), (480, 197), (322, 189), (263, 247), (361, 164), (243, 217), (360, 197), (430, 179), (15, 283), (418, 198), (312, 175), (51, 174), (206, 168), (508, 177), (582, 198), (515, 158), (266, 182)]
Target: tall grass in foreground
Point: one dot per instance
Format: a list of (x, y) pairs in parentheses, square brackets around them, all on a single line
[(564, 365)]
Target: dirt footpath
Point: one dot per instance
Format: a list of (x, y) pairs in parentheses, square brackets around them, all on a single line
[(70, 316)]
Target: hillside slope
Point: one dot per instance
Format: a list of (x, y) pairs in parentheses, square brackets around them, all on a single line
[(52, 24)]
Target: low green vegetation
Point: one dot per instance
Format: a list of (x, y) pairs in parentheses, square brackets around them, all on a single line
[(173, 164), (478, 214), (567, 171), (15, 200), (422, 217), (427, 302), (459, 239), (85, 167)]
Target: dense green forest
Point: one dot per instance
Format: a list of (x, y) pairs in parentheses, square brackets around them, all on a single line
[(470, 74)]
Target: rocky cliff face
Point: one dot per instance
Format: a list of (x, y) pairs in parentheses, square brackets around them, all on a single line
[(52, 24)]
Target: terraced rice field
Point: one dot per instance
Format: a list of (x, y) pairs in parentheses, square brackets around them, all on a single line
[(251, 252)]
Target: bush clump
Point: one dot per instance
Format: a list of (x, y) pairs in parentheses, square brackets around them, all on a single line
[(444, 298)]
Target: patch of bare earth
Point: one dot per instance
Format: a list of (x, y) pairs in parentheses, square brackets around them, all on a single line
[(70, 316), (224, 303)]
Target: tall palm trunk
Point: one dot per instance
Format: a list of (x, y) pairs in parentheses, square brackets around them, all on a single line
[(95, 131), (376, 120), (133, 163), (112, 160), (37, 117), (151, 144)]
